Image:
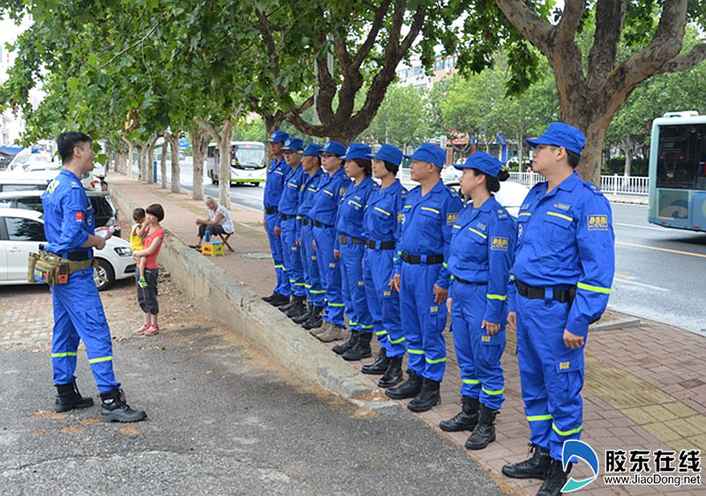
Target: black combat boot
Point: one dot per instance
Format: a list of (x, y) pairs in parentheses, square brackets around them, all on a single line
[(115, 409), (298, 309), (428, 397), (556, 478), (315, 321), (408, 389), (484, 433), (309, 313), (466, 419), (360, 350), (379, 366), (393, 374), (69, 398), (284, 308), (349, 343), (535, 467), (279, 300), (275, 296)]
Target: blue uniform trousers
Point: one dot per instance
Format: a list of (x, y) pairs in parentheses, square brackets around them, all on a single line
[(282, 286), (550, 373), (383, 302), (423, 320), (330, 271), (314, 289), (292, 259), (79, 316), (354, 288), (477, 353)]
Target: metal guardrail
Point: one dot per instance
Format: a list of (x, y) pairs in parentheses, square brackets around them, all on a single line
[(615, 184)]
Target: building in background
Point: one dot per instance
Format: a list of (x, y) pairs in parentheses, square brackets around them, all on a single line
[(413, 74)]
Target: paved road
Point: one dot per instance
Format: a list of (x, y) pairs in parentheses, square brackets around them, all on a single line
[(660, 272), (221, 421)]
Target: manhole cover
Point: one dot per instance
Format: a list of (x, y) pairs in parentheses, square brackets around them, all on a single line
[(258, 256)]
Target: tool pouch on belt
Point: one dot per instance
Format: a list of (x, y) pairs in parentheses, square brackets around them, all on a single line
[(45, 267)]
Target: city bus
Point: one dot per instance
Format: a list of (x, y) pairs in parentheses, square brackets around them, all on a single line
[(247, 162), (677, 171)]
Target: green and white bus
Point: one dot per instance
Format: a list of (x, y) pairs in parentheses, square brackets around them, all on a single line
[(677, 193)]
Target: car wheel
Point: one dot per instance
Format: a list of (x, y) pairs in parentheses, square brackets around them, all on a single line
[(103, 274)]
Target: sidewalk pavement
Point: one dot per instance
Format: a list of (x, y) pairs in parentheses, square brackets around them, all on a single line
[(645, 385)]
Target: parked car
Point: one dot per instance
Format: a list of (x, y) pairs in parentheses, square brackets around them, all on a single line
[(29, 160), (510, 196), (103, 210), (21, 232)]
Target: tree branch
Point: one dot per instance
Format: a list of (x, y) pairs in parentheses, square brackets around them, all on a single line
[(130, 47), (538, 31), (609, 24), (570, 20), (367, 45), (685, 62)]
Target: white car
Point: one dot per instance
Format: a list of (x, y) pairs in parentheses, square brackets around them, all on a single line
[(21, 232)]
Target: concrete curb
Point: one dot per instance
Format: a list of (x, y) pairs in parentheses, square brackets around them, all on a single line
[(241, 310)]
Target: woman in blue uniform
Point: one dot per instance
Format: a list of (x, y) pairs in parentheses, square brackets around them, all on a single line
[(381, 226), (351, 242), (480, 258)]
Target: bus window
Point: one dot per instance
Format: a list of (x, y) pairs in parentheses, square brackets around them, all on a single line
[(249, 156), (682, 155), (211, 151)]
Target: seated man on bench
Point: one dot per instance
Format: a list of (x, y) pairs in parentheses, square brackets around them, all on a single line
[(219, 222)]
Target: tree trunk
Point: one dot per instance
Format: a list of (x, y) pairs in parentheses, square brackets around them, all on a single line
[(176, 177), (592, 155), (151, 170), (130, 158), (520, 151), (628, 148), (224, 149), (140, 162), (199, 147), (271, 124), (163, 164)]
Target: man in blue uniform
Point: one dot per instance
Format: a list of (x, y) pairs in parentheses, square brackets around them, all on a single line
[(564, 266), (273, 192), (422, 277), (311, 164), (286, 227), (78, 313)]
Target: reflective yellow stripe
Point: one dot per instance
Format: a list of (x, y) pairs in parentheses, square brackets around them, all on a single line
[(595, 289), (445, 265), (525, 214), (336, 305), (478, 233), (383, 211), (432, 361), (429, 209), (539, 418), (64, 354), (350, 322), (397, 341), (279, 266), (353, 202), (567, 433), (100, 359), (317, 291), (300, 284), (470, 381), (493, 392), (412, 351), (381, 333), (496, 297), (561, 216), (367, 327)]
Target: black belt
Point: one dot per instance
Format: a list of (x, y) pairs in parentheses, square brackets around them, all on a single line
[(79, 256), (344, 240), (422, 259), (562, 294), (320, 224), (463, 281), (270, 210), (305, 221), (380, 245), (287, 216)]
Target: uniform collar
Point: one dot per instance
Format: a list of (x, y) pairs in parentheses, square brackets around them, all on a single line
[(570, 182), (392, 188), (490, 204), (70, 174)]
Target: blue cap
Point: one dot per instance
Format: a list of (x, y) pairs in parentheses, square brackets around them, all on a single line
[(563, 135), (389, 153), (278, 137), (430, 153), (359, 150), (334, 148), (312, 150), (293, 145), (483, 162)]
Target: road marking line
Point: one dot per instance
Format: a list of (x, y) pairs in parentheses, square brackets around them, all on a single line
[(660, 229), (666, 250), (640, 284)]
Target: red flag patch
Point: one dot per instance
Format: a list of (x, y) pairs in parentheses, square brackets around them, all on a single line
[(80, 216)]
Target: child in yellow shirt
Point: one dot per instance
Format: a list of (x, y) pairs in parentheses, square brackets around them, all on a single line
[(136, 235)]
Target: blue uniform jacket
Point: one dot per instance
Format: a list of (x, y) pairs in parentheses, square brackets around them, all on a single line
[(565, 237), (381, 220), (274, 182), (426, 225), (326, 199), (482, 249), (307, 191), (68, 215), (352, 209), (289, 202)]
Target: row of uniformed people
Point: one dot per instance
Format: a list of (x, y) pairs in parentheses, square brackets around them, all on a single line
[(397, 253)]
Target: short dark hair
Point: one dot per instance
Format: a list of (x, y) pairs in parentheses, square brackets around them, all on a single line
[(138, 214), (391, 167), (364, 163), (573, 159), (156, 210), (66, 142)]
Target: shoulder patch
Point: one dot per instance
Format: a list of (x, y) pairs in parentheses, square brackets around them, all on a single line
[(451, 218), (52, 186), (499, 243), (75, 184), (597, 222)]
